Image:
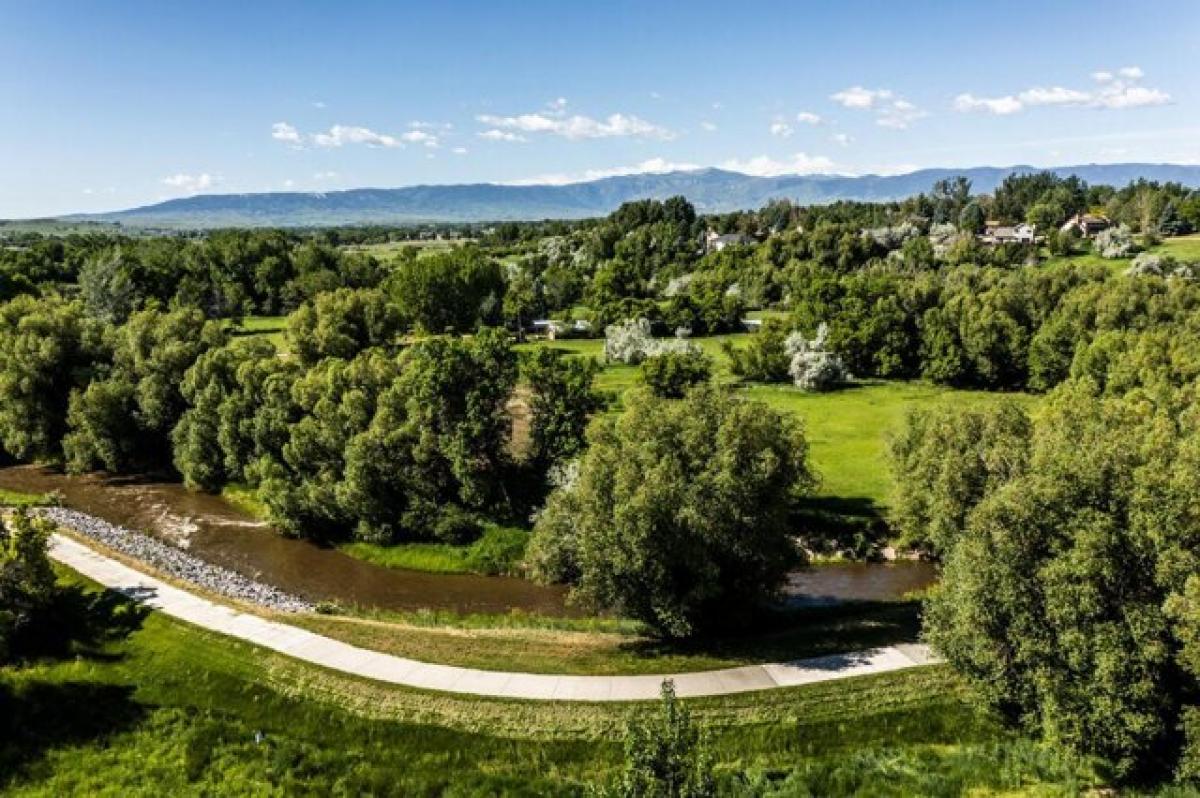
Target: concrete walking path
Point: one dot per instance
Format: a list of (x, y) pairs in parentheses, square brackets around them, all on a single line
[(336, 655)]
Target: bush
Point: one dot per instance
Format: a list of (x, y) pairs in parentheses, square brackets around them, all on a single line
[(499, 551), (813, 367), (670, 374), (666, 755), (26, 577), (630, 342), (765, 358), (1115, 242)]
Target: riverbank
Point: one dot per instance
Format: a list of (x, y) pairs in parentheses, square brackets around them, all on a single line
[(175, 562)]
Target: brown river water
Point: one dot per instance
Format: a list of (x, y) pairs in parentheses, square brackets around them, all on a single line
[(214, 530)]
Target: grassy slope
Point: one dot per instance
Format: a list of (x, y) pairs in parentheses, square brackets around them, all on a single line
[(15, 498), (173, 709), (798, 635)]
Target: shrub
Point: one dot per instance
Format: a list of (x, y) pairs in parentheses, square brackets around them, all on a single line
[(1115, 242), (670, 374), (813, 367), (630, 342), (666, 755)]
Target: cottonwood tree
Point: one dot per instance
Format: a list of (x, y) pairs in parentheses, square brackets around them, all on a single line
[(670, 375), (124, 421), (49, 348), (342, 323), (680, 513)]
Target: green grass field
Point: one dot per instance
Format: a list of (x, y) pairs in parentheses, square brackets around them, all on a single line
[(14, 498), (150, 706), (389, 250), (623, 647), (498, 550), (273, 328), (847, 429), (1183, 248)]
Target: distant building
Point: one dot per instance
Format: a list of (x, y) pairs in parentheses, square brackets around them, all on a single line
[(1004, 234), (1086, 224), (715, 242)]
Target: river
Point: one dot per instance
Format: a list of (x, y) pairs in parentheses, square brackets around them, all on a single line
[(214, 530)]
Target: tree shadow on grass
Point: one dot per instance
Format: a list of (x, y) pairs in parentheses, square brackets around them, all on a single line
[(79, 623), (786, 634), (39, 716)]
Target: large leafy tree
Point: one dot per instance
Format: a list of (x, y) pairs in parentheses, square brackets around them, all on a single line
[(561, 400), (680, 512), (124, 420), (945, 460), (342, 323), (448, 291), (1069, 592), (48, 348), (234, 416)]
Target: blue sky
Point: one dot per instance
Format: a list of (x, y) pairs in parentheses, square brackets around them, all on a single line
[(109, 105)]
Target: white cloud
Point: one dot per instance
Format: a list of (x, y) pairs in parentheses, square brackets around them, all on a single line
[(1055, 95), (1001, 106), (577, 126), (899, 115), (709, 126), (1112, 92), (808, 118), (340, 135), (500, 135), (843, 139), (460, 150), (325, 175), (651, 166), (421, 136), (765, 166), (289, 183), (190, 184), (781, 129), (655, 95), (282, 131), (318, 105), (1132, 97), (890, 109), (860, 98)]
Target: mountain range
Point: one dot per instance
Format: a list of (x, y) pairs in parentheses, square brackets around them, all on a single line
[(710, 190)]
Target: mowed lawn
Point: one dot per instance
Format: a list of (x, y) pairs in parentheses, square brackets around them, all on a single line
[(1182, 248), (273, 328), (847, 429)]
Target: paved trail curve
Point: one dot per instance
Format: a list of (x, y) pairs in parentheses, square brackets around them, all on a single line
[(336, 655)]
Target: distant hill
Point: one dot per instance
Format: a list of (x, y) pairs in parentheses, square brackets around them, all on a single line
[(710, 190)]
